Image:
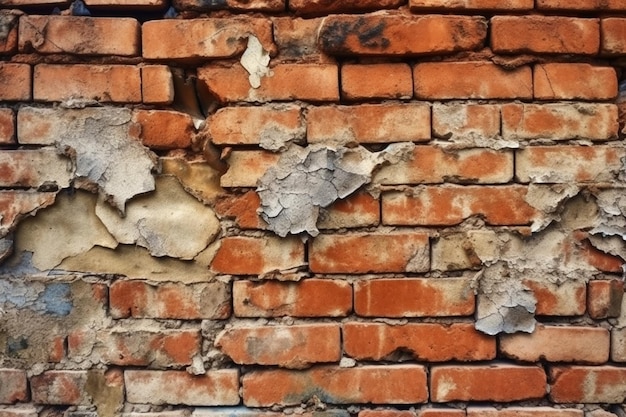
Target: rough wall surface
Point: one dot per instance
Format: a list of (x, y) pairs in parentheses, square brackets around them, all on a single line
[(349, 208)]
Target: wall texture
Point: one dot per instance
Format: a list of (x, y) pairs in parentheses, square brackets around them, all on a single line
[(366, 208)]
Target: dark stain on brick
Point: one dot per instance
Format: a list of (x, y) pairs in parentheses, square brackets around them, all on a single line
[(335, 36)]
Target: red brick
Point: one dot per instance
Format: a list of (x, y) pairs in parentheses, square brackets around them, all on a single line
[(575, 164), (14, 387), (103, 83), (247, 167), (307, 298), (57, 349), (431, 342), (242, 209), (308, 82), (323, 7), (613, 36), (79, 35), (475, 80), (202, 38), (15, 80), (592, 5), (296, 38), (584, 344), (126, 4), (559, 121), (369, 123), (447, 206), (8, 41), (588, 384), (33, 168), (7, 126), (394, 34), (596, 258), (523, 412), (157, 84), (434, 165), (459, 121), (236, 5), (22, 3), (386, 413), (59, 387), (241, 255), (574, 82), (164, 129), (604, 298), (403, 384), (179, 387), (286, 346), (357, 210), (545, 34), (256, 125), (566, 299), (414, 297), (445, 5), (442, 412), (138, 299), (393, 252), (27, 411), (359, 81), (495, 382)]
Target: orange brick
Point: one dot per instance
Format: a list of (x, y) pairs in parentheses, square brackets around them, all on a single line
[(247, 167), (8, 41), (323, 7), (422, 341), (414, 297), (454, 120), (376, 81), (369, 123), (241, 255), (164, 129), (7, 126), (286, 346), (524, 412), (442, 412), (394, 34), (602, 261), (584, 344), (103, 83), (15, 80), (604, 298), (57, 349), (257, 125), (14, 386), (559, 121), (242, 208), (574, 82), (477, 80), (613, 36), (433, 165), (566, 299), (400, 384), (60, 387), (588, 384), (21, 3), (237, 5), (138, 299), (545, 34), (357, 210), (126, 4), (447, 206), (157, 84), (495, 382), (393, 252), (79, 35), (386, 413), (308, 82), (444, 5), (592, 5), (296, 38), (307, 298)]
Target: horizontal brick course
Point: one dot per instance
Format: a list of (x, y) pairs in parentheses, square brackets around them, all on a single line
[(474, 5), (14, 386), (588, 384), (380, 81), (574, 82), (613, 32)]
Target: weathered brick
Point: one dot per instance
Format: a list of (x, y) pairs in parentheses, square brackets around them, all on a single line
[(594, 257), (257, 125), (126, 4), (164, 129), (462, 120), (340, 6), (475, 80), (243, 411), (286, 346), (584, 344), (307, 298), (386, 413), (593, 5), (16, 203), (432, 342), (179, 387), (394, 34), (202, 38), (26, 411), (138, 299), (7, 126), (308, 82), (559, 121), (574, 82), (588, 384), (33, 168), (16, 82), (393, 252), (495, 382), (237, 5), (575, 164), (613, 32), (241, 255), (400, 384), (414, 297), (296, 38), (444, 5), (524, 412), (178, 413), (60, 387), (604, 298), (157, 84), (14, 386), (247, 167), (34, 2), (57, 349), (442, 412), (79, 35), (369, 123), (357, 210), (566, 299), (366, 81), (618, 345), (8, 40), (103, 83), (545, 34), (433, 165), (242, 209)]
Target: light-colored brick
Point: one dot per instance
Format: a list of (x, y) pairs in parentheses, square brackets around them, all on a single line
[(524, 412), (618, 344), (7, 126), (461, 120), (443, 5), (574, 82), (247, 167), (582, 5), (8, 41), (604, 298), (33, 168), (566, 299), (14, 386), (588, 384)]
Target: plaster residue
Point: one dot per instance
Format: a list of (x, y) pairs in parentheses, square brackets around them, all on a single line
[(255, 60), (307, 179)]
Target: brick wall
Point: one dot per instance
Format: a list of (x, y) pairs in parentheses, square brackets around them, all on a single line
[(255, 208)]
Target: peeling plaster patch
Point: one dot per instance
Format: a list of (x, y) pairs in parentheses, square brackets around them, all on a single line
[(549, 200), (54, 299), (197, 178), (16, 204), (307, 179), (168, 222), (255, 60), (612, 205)]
